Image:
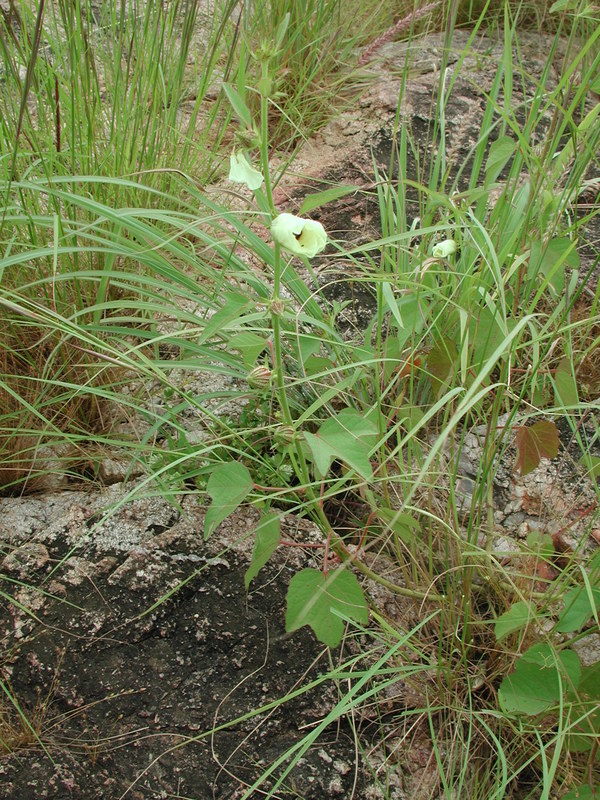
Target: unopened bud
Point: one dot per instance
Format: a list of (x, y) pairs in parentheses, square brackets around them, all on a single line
[(248, 138), (277, 307), (259, 377), (284, 435)]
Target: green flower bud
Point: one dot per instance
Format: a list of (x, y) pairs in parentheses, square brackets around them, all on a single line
[(265, 86), (259, 377), (277, 307), (284, 435), (444, 249), (247, 138)]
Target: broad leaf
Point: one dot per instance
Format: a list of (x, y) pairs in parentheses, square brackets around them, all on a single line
[(233, 307), (487, 332), (511, 231), (535, 442), (580, 792), (408, 313), (441, 363), (306, 346), (312, 201), (542, 544), (228, 486), (539, 676), (410, 417), (587, 697), (313, 599), (551, 259), (317, 364), (580, 606), (501, 151), (518, 616), (350, 437), (565, 386), (591, 465), (249, 344), (265, 544)]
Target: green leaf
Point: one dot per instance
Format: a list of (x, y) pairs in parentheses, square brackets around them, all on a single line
[(514, 216), (485, 334), (249, 344), (238, 104), (306, 346), (350, 437), (233, 307), (565, 386), (228, 486), (579, 608), (587, 697), (316, 364), (541, 544), (589, 683), (313, 599), (265, 544), (403, 525), (409, 313), (501, 151), (551, 259), (312, 201), (281, 31), (535, 442), (535, 684), (518, 616), (410, 417), (580, 792), (441, 364)]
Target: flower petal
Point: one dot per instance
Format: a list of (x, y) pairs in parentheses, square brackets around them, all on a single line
[(242, 171), (444, 249), (302, 237)]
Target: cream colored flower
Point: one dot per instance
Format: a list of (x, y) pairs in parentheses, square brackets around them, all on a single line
[(302, 237), (444, 249), (242, 171)]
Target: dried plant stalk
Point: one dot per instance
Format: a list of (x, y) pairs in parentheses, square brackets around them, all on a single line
[(401, 25)]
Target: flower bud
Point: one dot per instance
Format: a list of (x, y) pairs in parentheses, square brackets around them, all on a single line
[(277, 307), (247, 138), (284, 435), (259, 377), (265, 86), (444, 249)]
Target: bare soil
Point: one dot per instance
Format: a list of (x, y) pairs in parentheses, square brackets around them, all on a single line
[(143, 666)]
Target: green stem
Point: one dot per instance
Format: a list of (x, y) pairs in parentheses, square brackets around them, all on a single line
[(264, 141), (299, 462)]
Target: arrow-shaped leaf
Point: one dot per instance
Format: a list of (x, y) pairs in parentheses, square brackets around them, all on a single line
[(233, 307), (265, 544), (535, 442), (535, 684), (565, 386), (350, 437), (228, 486), (313, 599), (518, 616), (441, 363)]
